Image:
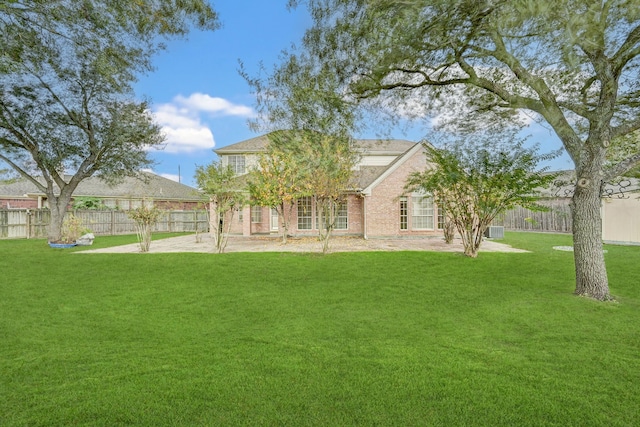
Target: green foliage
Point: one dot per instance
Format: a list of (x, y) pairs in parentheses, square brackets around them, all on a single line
[(218, 183), (383, 338), (146, 218), (88, 203), (7, 176), (66, 96), (476, 181)]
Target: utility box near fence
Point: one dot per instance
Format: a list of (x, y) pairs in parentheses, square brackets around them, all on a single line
[(494, 232)]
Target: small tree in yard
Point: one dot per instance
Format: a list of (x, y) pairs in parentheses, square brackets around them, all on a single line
[(330, 162), (278, 180), (474, 183), (146, 218), (217, 182)]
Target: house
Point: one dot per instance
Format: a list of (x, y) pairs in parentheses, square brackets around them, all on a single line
[(129, 194), (376, 205)]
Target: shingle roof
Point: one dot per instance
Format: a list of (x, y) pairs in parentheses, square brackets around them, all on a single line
[(366, 146), (155, 187), (252, 145)]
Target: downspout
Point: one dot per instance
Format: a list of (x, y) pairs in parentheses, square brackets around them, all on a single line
[(364, 217)]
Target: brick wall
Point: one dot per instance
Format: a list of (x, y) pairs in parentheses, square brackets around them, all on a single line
[(383, 206), (18, 204)]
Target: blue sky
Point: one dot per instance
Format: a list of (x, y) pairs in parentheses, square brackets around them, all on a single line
[(202, 102)]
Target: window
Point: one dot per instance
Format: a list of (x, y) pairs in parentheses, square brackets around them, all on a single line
[(304, 213), (342, 219), (422, 213), (404, 213), (256, 214), (237, 164), (441, 219)]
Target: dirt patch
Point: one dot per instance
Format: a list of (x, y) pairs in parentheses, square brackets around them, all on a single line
[(305, 244)]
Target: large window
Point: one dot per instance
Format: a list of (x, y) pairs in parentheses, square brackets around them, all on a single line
[(305, 213), (256, 214), (422, 212), (441, 218), (237, 164), (404, 213), (342, 219)]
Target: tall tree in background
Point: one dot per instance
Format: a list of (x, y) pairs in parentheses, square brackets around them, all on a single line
[(572, 64), (66, 97), (305, 103)]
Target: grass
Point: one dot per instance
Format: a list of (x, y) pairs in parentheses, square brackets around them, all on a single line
[(395, 338)]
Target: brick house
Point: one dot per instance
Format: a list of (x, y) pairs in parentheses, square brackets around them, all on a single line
[(129, 194), (377, 205)]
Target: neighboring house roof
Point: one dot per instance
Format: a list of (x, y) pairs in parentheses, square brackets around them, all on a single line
[(153, 187)]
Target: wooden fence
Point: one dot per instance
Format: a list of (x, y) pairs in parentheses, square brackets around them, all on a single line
[(557, 219), (32, 223)]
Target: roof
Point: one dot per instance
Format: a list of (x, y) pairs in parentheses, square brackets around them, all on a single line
[(366, 146), (392, 167), (151, 186)]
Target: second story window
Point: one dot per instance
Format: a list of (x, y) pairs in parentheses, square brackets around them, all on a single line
[(237, 164)]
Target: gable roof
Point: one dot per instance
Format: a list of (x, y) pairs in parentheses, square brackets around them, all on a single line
[(151, 186), (387, 147), (392, 167)]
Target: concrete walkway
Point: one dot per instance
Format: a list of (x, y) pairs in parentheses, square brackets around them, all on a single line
[(306, 244)]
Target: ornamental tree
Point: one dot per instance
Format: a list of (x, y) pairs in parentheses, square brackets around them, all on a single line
[(570, 64), (475, 182), (278, 181), (217, 182)]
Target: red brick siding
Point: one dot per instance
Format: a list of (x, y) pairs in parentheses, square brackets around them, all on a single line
[(18, 204), (383, 206)]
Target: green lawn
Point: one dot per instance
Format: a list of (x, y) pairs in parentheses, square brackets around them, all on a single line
[(396, 338)]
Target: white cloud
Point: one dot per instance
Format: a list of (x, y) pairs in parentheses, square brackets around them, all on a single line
[(205, 103), (182, 123)]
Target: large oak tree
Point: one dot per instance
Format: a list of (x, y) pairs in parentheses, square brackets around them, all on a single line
[(572, 64), (67, 107)]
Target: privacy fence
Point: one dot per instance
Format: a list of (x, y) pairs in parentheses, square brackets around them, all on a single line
[(557, 219), (32, 223)]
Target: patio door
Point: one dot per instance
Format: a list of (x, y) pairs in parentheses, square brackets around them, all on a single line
[(274, 219)]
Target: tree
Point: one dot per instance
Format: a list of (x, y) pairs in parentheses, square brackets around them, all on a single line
[(306, 102), (278, 181), (474, 182), (571, 64), (145, 217), (66, 97), (217, 182), (329, 167)]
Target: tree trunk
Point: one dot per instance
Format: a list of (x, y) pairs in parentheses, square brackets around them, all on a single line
[(591, 272), (58, 209)]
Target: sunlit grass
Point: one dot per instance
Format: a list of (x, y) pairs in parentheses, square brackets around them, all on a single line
[(396, 338)]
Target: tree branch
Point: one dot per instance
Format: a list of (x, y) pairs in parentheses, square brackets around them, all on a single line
[(622, 167), (627, 51), (625, 128)]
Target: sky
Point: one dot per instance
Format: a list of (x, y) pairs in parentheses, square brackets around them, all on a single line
[(202, 103)]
